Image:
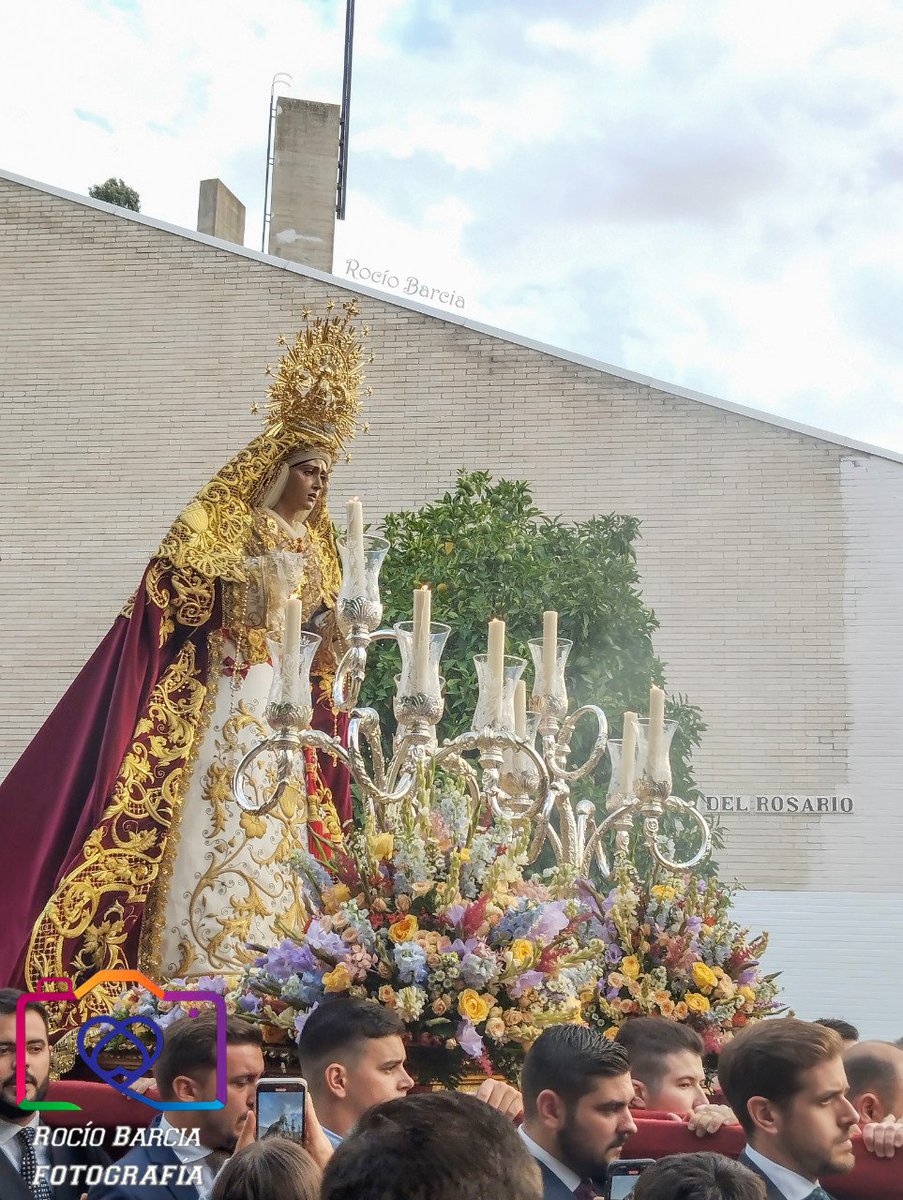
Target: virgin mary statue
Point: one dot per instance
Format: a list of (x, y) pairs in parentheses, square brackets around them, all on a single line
[(123, 846)]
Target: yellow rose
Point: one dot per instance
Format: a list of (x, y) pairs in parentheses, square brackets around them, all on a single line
[(473, 1006), (403, 930), (696, 1002), (521, 951), (610, 1032), (704, 977), (338, 979), (630, 966), (747, 993), (382, 845)]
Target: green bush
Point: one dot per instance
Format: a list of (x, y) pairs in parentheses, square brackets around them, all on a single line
[(487, 550)]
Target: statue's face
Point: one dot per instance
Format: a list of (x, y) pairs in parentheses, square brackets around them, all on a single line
[(306, 484)]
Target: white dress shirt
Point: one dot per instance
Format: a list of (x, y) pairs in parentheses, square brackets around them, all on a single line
[(569, 1178), (791, 1185), (13, 1148), (190, 1154)]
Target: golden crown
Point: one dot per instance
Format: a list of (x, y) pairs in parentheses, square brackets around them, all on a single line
[(314, 396)]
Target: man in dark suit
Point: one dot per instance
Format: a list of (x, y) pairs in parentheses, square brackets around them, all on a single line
[(194, 1144), (786, 1083), (30, 1167), (577, 1093)]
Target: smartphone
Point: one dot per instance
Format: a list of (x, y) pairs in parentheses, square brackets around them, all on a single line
[(623, 1174), (280, 1108)]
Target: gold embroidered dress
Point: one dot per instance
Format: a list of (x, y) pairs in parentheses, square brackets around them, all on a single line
[(144, 859)]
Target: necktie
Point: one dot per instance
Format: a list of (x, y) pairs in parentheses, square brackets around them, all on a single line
[(40, 1189), (586, 1190), (818, 1193)]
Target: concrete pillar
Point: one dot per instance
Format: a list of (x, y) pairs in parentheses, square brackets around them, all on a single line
[(303, 191), (220, 213)]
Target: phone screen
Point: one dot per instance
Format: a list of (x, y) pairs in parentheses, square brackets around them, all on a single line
[(280, 1108), (622, 1176), (621, 1186)]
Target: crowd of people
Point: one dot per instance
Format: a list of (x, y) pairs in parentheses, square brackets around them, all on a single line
[(800, 1091)]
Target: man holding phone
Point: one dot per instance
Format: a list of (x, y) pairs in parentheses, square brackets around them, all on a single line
[(202, 1139), (577, 1094)]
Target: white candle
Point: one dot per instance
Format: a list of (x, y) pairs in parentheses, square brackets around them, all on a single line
[(355, 542), (291, 650), (520, 709), (495, 660), (656, 731), (628, 755), (421, 638), (549, 650)]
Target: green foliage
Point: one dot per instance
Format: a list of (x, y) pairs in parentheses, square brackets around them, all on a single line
[(116, 191), (487, 550)]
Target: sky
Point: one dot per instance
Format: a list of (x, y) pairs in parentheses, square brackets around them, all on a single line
[(708, 192)]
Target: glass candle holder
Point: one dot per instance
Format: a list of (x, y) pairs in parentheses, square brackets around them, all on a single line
[(549, 695), (495, 706), (658, 771), (289, 703), (359, 601), (420, 678), (520, 774)]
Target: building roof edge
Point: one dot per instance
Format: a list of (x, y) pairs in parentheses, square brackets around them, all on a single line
[(353, 286)]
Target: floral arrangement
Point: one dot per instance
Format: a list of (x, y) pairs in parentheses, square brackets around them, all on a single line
[(437, 921), (672, 950)]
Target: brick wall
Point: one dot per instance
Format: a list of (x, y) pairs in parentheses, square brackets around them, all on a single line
[(131, 354)]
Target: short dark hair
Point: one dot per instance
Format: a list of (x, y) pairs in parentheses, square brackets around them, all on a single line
[(434, 1146), (9, 999), (338, 1027), (189, 1047), (650, 1040), (874, 1067), (848, 1032), (273, 1167), (699, 1177), (568, 1059), (767, 1059)]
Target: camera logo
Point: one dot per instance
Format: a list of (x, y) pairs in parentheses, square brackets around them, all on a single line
[(120, 1077)]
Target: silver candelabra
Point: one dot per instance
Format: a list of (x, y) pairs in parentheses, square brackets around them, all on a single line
[(514, 760)]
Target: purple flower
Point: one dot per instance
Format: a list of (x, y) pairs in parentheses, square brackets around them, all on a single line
[(550, 922), (748, 976), (301, 1019), (527, 980), (328, 943), (288, 958), (211, 983), (249, 1003), (469, 1040), (455, 913), (613, 993), (614, 954), (461, 948)]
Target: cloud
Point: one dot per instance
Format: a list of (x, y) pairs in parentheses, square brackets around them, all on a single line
[(94, 119), (708, 193)]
